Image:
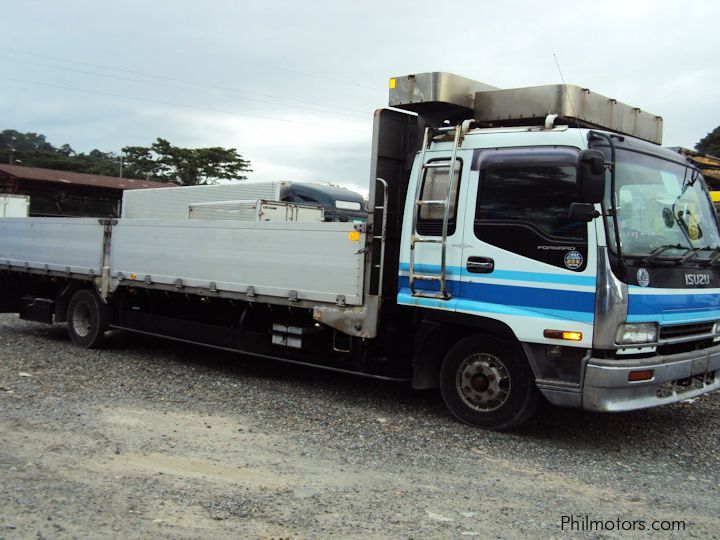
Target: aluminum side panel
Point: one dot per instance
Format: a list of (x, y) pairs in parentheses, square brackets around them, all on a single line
[(319, 261), (57, 244)]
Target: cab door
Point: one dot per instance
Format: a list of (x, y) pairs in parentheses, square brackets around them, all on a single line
[(524, 262)]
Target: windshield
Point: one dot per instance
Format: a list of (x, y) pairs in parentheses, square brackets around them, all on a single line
[(662, 209)]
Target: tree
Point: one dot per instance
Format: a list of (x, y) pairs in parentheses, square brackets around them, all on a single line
[(33, 150), (161, 161), (25, 142), (710, 143), (185, 166)]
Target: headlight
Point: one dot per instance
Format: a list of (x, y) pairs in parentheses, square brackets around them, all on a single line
[(633, 334), (716, 328)]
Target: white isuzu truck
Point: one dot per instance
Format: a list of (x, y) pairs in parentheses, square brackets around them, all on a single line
[(519, 243)]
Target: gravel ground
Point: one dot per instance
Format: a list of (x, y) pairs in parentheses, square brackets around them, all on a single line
[(152, 439)]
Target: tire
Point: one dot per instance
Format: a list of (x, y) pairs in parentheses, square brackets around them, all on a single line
[(487, 382), (87, 319)]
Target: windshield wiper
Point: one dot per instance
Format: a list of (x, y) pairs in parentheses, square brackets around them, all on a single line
[(690, 254), (655, 253), (694, 251), (713, 258), (716, 257)]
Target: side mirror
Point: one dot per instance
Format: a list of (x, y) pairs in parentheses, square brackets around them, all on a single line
[(591, 176), (582, 212)]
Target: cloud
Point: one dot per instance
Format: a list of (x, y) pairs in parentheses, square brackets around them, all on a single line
[(293, 85)]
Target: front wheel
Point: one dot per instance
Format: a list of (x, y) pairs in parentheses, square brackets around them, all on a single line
[(487, 382), (87, 319)]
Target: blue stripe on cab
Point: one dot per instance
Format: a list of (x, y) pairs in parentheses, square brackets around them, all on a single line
[(510, 275), (515, 300), (673, 308)]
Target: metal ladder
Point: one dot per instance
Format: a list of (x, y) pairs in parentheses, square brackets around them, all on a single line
[(443, 203)]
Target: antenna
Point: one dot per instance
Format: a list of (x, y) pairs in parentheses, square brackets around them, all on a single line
[(572, 105)]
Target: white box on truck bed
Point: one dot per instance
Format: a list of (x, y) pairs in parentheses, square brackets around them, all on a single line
[(14, 205), (173, 203)]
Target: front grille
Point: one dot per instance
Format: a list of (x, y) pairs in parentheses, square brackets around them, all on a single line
[(679, 331)]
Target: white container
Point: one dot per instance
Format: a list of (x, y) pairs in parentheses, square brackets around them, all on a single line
[(173, 203), (14, 206)]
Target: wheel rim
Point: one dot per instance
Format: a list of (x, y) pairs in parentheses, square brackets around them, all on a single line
[(81, 320), (483, 382)]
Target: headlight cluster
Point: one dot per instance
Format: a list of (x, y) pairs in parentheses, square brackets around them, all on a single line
[(637, 334)]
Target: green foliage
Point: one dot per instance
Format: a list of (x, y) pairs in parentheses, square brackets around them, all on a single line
[(160, 161), (33, 150), (25, 142), (710, 143), (186, 166)]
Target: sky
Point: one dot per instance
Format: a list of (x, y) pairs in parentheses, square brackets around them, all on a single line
[(293, 85)]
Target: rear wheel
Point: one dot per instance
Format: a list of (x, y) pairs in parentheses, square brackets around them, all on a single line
[(87, 319), (487, 382)]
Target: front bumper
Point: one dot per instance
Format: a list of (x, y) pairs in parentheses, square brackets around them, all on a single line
[(676, 377)]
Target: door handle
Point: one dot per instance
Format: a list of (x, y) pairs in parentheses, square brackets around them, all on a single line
[(480, 265)]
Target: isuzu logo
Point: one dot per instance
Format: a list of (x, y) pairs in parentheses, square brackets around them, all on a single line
[(695, 280)]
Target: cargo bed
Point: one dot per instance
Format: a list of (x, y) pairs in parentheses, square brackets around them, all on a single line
[(293, 263)]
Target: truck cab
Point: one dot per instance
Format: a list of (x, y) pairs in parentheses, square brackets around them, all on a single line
[(339, 204), (609, 308)]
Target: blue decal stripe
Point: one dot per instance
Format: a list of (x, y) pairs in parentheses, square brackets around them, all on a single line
[(432, 269), (511, 275), (680, 317), (527, 297), (405, 297), (656, 304), (472, 306), (521, 311), (648, 291), (452, 286)]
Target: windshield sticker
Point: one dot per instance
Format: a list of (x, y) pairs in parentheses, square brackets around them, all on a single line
[(573, 260), (643, 277)]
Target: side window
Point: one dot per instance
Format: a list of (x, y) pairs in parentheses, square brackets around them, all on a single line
[(524, 209), (434, 188)]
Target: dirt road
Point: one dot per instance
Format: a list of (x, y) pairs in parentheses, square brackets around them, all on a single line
[(152, 439)]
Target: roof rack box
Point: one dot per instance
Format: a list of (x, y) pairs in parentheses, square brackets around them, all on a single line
[(573, 104), (435, 94), (434, 91)]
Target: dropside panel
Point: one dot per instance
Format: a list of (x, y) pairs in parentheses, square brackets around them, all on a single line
[(305, 261), (67, 245)]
